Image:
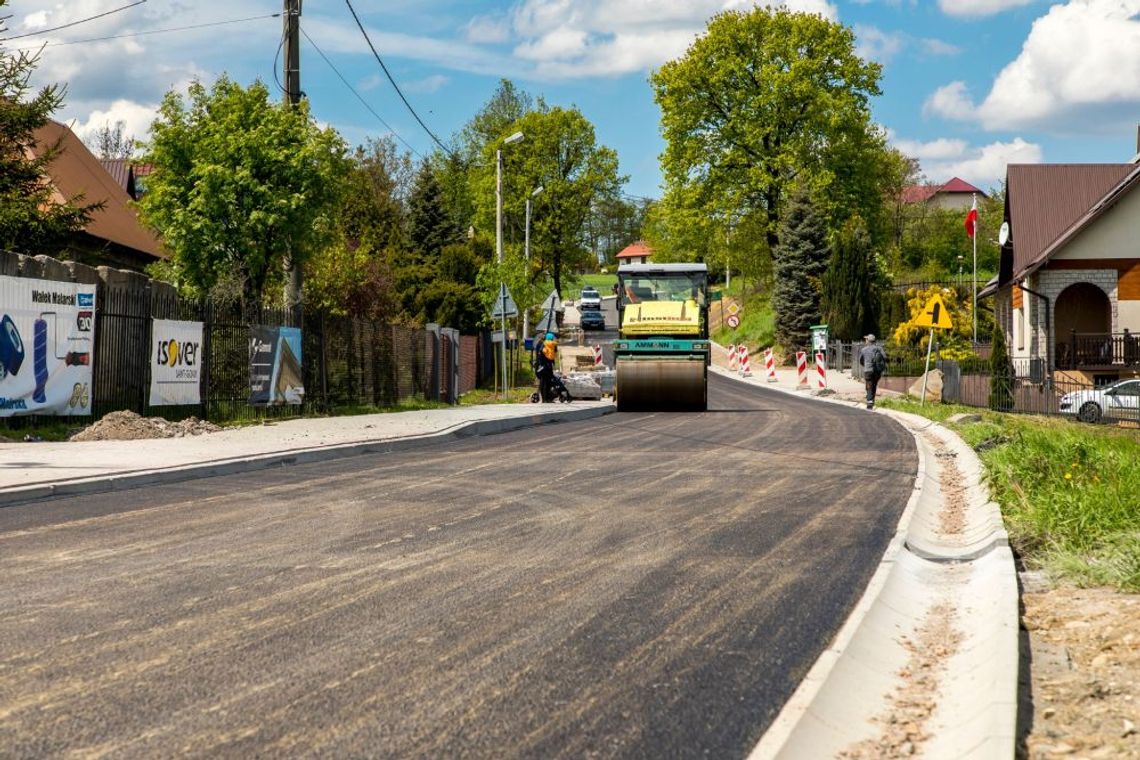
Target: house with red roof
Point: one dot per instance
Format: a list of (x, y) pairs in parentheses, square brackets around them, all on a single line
[(1067, 294), (115, 235), (637, 252), (954, 195)]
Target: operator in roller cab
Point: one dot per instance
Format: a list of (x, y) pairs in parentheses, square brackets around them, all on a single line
[(662, 351)]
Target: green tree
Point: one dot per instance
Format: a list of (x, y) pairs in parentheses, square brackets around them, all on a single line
[(430, 227), (373, 210), (1001, 373), (849, 301), (800, 260), (560, 153), (31, 220), (766, 99), (238, 181)]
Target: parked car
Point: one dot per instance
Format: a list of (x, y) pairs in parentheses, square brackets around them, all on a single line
[(592, 319), (1119, 401), (590, 299)]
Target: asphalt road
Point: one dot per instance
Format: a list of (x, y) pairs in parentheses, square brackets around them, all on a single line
[(641, 585)]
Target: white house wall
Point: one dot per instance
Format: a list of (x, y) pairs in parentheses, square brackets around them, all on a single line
[(1115, 235)]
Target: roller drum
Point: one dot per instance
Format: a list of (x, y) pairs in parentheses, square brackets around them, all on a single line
[(661, 384)]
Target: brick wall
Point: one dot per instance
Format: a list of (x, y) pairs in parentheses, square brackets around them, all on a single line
[(468, 369)]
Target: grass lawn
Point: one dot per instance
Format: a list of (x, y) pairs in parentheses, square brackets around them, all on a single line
[(1069, 493), (603, 282)]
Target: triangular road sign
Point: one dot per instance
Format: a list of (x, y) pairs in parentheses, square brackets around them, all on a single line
[(504, 304), (548, 323), (552, 302), (934, 314)]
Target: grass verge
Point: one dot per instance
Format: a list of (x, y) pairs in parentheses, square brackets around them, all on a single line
[(1069, 493), (757, 325)]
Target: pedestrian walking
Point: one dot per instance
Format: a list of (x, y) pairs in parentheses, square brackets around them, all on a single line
[(873, 363), (545, 354)]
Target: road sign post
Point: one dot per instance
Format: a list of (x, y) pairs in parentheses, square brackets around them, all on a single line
[(504, 307), (935, 316)]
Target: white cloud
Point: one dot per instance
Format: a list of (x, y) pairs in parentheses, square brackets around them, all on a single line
[(951, 101), (983, 166), (978, 8), (1079, 68), (872, 43), (136, 118), (428, 84), (932, 46), (487, 30), (582, 38)]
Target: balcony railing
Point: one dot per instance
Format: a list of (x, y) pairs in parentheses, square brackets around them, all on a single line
[(1098, 351)]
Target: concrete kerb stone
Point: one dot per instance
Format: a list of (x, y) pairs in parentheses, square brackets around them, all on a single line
[(239, 464), (835, 705)]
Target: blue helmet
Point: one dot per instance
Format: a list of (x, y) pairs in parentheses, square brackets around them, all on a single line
[(550, 336)]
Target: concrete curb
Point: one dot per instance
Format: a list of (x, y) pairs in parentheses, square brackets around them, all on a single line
[(971, 570), (249, 463)]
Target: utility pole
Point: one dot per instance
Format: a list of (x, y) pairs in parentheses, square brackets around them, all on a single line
[(291, 35)]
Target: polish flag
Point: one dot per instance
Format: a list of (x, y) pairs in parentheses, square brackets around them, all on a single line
[(972, 218)]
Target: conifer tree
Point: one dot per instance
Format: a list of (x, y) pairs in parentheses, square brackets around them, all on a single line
[(849, 301), (31, 221), (799, 261), (431, 227), (1001, 373)]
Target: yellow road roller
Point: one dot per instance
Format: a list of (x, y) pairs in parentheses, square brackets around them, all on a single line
[(662, 351)]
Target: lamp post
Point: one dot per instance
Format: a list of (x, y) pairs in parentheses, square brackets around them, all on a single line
[(526, 255), (499, 244)]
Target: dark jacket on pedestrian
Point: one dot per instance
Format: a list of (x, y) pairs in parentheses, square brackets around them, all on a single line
[(872, 360)]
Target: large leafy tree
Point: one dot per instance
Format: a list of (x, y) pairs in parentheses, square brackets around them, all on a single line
[(766, 99), (31, 220), (560, 153), (373, 209), (238, 182), (800, 260)]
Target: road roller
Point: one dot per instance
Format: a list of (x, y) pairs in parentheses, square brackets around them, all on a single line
[(662, 351)]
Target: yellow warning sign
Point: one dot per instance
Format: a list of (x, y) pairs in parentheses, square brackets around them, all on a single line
[(934, 314)]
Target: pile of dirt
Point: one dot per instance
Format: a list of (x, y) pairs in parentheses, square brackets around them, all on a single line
[(1085, 649), (128, 426)]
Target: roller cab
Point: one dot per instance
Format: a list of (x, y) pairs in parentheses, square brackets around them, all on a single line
[(662, 353)]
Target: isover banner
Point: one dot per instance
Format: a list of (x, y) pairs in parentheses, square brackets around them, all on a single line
[(275, 376), (47, 346), (176, 362)]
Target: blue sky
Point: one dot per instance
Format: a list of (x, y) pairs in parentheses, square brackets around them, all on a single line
[(968, 85)]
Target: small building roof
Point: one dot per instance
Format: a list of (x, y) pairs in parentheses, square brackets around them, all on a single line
[(76, 172), (923, 193), (1051, 202), (636, 248)]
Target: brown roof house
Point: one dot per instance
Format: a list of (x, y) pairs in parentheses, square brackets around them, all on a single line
[(115, 236), (1068, 289), (954, 195), (637, 252)]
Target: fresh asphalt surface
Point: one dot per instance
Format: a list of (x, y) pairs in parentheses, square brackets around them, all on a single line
[(639, 585)]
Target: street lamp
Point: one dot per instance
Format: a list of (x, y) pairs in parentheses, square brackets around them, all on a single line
[(526, 255), (499, 243)]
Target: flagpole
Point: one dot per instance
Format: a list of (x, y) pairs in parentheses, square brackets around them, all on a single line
[(975, 290)]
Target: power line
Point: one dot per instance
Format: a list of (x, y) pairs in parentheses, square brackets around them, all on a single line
[(393, 81), (73, 23), (157, 31), (358, 95)]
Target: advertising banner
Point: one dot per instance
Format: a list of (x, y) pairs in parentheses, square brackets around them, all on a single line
[(47, 345), (275, 376), (176, 362)]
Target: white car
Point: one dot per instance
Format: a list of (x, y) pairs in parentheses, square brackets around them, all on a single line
[(1119, 401), (590, 299)]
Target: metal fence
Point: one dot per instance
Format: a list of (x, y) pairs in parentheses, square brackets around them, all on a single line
[(348, 363)]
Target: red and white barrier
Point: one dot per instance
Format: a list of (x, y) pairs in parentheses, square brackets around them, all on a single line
[(821, 369), (770, 364), (597, 356), (732, 366), (801, 369), (745, 368)]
